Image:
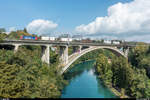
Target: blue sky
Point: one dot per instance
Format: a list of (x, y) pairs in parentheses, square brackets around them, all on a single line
[(66, 13), (112, 19)]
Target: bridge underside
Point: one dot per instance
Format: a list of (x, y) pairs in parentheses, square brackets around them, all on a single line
[(7, 47)]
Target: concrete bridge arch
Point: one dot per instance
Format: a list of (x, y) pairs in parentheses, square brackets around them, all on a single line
[(72, 58)]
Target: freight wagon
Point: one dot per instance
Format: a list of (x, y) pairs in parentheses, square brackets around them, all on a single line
[(28, 38), (48, 38), (65, 39)]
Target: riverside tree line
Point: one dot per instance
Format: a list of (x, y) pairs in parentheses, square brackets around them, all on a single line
[(129, 77)]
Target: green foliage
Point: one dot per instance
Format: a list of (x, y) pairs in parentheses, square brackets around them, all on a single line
[(25, 30), (23, 75), (2, 30), (120, 71), (53, 57), (2, 36), (138, 53), (104, 69), (70, 50), (10, 85), (140, 57), (93, 55), (128, 79)]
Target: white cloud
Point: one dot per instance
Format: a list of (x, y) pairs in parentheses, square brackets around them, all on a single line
[(124, 18), (40, 27)]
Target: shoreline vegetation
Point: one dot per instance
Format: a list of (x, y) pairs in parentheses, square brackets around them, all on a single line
[(91, 56), (115, 91), (126, 78)]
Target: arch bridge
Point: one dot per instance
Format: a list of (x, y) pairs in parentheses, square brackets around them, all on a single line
[(72, 58), (78, 49)]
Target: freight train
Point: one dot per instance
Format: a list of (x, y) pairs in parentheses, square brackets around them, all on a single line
[(43, 38), (62, 39)]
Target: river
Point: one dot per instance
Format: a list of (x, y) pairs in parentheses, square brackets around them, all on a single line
[(83, 83)]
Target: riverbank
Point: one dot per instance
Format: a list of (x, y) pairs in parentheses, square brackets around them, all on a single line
[(116, 92), (109, 75), (83, 83), (112, 89)]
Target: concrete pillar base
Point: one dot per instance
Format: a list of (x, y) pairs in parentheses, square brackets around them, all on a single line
[(64, 55), (45, 54), (16, 47)]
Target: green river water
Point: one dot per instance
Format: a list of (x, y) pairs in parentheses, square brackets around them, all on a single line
[(83, 83)]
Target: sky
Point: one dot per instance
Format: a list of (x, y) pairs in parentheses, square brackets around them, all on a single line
[(110, 19)]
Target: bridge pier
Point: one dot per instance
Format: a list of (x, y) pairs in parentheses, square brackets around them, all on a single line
[(64, 54), (45, 54), (16, 47), (126, 52), (80, 48)]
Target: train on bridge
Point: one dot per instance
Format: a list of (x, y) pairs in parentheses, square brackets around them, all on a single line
[(67, 39)]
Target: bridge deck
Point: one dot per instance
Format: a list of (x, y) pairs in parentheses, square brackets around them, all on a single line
[(57, 43)]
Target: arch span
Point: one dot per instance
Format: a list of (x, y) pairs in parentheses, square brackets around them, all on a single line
[(72, 58)]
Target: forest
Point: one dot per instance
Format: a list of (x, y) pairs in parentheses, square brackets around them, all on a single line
[(23, 75), (129, 76)]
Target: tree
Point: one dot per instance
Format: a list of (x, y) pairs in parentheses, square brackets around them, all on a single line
[(121, 72), (2, 30), (104, 69), (138, 53), (10, 85), (2, 36), (24, 75), (25, 30), (138, 86)]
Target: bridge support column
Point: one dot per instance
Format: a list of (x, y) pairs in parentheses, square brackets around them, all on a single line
[(126, 52), (64, 54), (80, 48), (45, 54), (16, 47)]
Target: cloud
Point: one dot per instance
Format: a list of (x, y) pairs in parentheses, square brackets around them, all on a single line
[(41, 27), (122, 18)]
